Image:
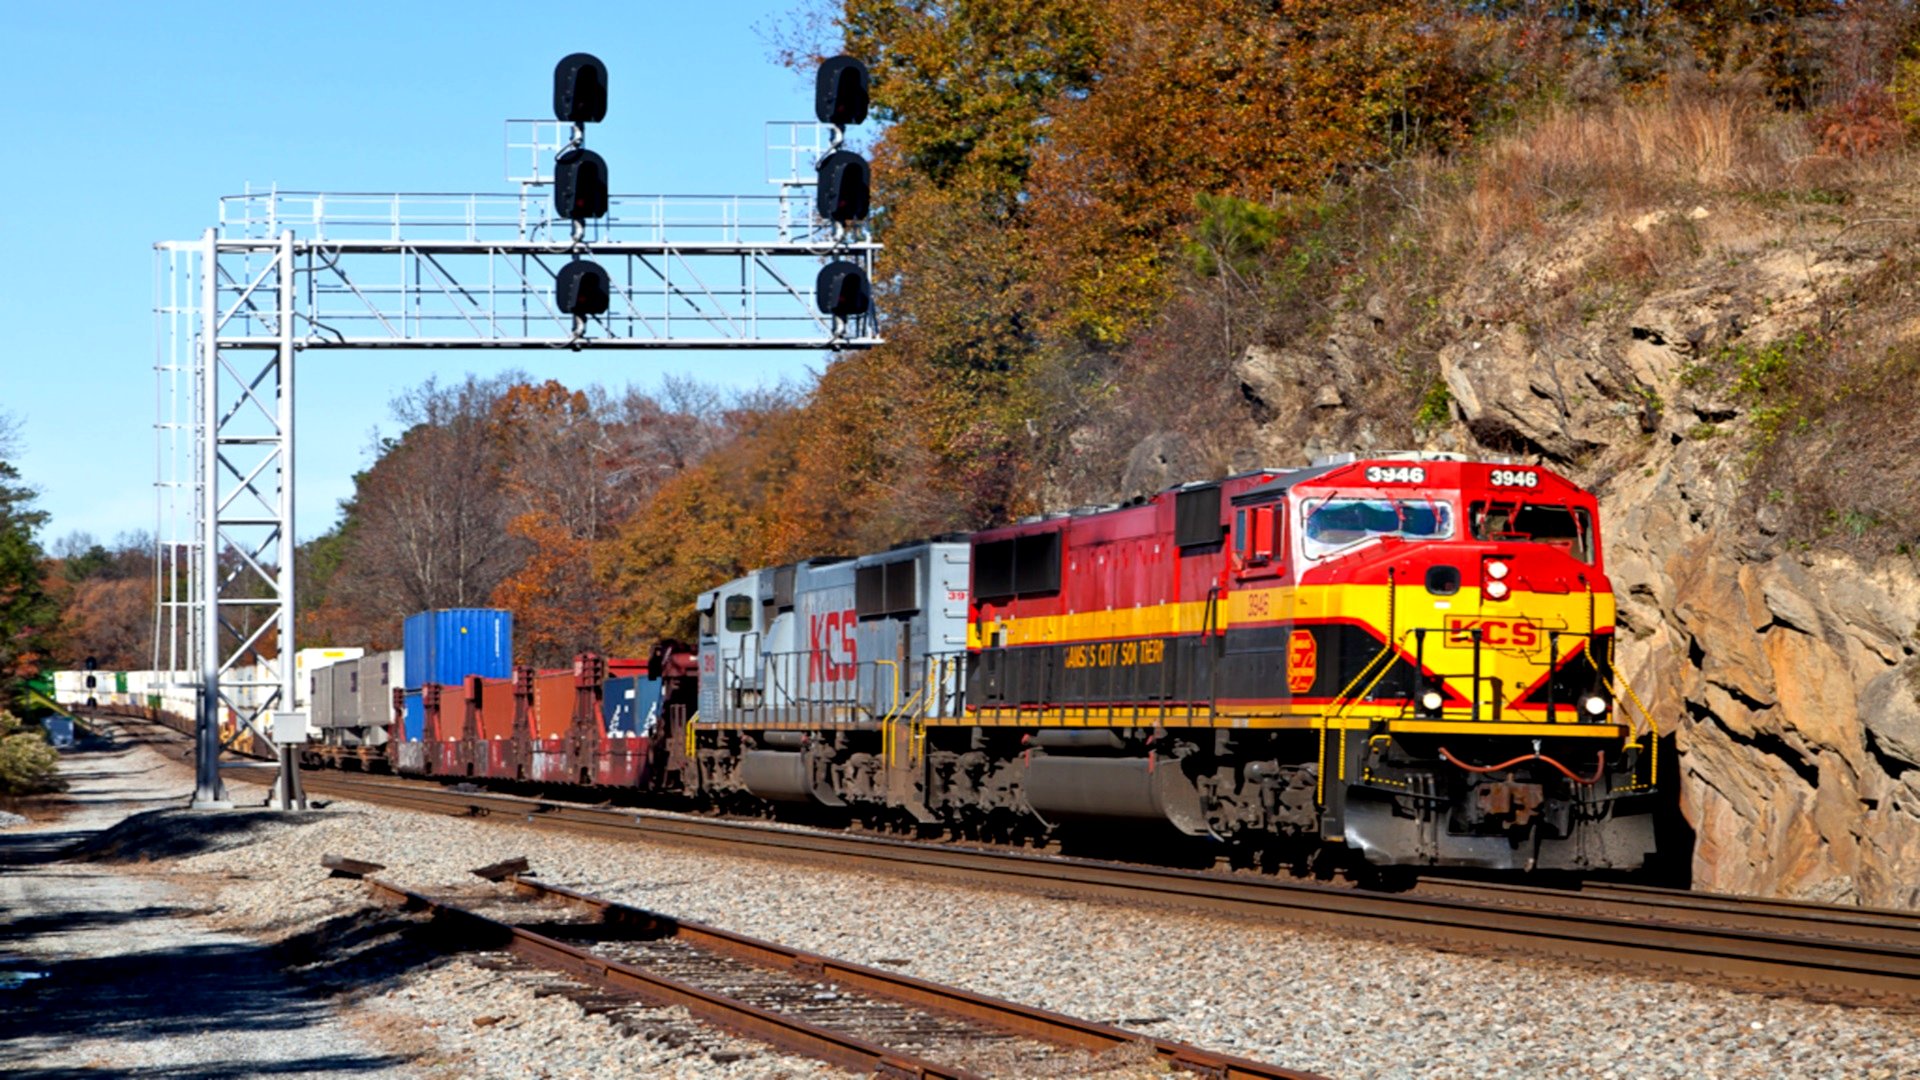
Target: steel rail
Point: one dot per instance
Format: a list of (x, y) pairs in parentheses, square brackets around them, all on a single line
[(1872, 925), (1785, 941), (1875, 964), (473, 929), (1008, 1016)]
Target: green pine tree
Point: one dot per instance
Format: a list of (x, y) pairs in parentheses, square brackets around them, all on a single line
[(28, 614)]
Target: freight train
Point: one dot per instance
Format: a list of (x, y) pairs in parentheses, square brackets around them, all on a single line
[(1405, 659)]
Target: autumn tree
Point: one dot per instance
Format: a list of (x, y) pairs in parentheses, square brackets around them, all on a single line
[(427, 526), (106, 598), (28, 615)]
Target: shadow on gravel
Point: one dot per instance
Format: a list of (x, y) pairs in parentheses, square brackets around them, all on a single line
[(361, 954), (39, 848), (178, 832), (63, 922), (199, 991), (169, 832), (328, 1065)]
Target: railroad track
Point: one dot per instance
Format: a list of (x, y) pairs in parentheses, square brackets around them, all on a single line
[(1780, 945), (856, 1017)]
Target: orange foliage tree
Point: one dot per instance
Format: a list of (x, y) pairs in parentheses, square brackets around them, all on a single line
[(1042, 167)]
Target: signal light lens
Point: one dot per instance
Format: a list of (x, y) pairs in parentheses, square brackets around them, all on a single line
[(1595, 705), (1431, 701), (1497, 590), (1496, 570)]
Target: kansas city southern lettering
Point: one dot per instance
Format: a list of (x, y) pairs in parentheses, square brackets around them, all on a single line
[(1116, 654)]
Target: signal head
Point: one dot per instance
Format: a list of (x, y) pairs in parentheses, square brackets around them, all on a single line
[(580, 185), (845, 189), (583, 287), (840, 91), (842, 290), (580, 89)]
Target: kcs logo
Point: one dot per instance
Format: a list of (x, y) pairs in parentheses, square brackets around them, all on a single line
[(1496, 633), (830, 639), (1303, 661)]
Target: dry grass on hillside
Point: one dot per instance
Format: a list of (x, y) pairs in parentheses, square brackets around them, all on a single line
[(1562, 224)]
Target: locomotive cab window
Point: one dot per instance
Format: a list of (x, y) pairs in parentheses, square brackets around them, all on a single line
[(739, 614), (1569, 528), (1335, 524), (706, 621)]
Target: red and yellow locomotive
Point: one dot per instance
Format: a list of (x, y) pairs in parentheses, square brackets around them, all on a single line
[(1409, 656)]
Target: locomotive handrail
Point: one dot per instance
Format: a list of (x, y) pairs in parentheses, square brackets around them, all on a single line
[(1653, 726), (1390, 652), (894, 665)]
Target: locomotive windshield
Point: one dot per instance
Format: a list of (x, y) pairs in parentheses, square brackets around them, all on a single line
[(1568, 528), (1335, 524)]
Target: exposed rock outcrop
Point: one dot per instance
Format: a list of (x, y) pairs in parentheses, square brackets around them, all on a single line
[(1787, 671)]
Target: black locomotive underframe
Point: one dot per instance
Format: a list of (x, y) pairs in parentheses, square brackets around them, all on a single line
[(1396, 802)]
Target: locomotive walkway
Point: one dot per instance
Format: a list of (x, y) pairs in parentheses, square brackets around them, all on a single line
[(106, 973)]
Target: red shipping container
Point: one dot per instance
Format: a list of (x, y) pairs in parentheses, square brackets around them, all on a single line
[(496, 709), (619, 667), (552, 704), (455, 707)]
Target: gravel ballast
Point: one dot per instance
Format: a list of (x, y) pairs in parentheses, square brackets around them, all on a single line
[(1303, 998), (1297, 997)]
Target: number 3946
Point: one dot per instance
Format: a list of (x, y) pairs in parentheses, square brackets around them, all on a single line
[(1396, 474)]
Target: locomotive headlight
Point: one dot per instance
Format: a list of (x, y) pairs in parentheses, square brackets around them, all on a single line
[(1595, 704), (1496, 570), (1497, 590), (1431, 700)]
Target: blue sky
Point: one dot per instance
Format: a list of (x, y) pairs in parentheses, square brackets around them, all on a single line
[(126, 121)]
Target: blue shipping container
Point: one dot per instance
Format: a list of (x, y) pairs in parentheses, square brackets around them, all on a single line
[(447, 645), (413, 717), (630, 704)]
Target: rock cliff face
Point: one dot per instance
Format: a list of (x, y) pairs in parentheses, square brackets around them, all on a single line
[(1786, 669)]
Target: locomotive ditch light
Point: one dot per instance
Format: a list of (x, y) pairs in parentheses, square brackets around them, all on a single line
[(840, 91), (845, 186), (842, 290), (1496, 570), (580, 185), (1497, 590), (583, 287), (1431, 701), (1595, 705), (580, 89)]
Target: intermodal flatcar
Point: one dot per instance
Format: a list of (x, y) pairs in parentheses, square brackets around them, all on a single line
[(1404, 660)]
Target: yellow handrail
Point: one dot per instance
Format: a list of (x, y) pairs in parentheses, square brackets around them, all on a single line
[(1653, 726), (1342, 702)]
